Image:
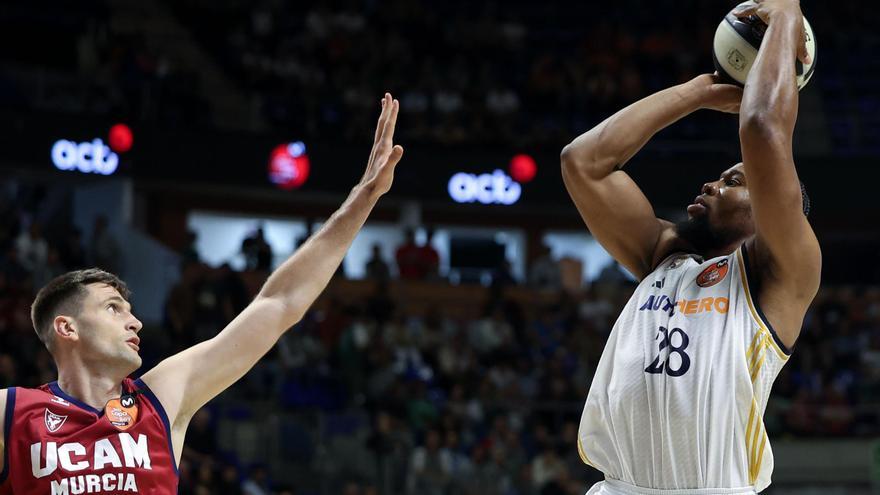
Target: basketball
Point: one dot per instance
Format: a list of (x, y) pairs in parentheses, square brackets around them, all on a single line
[(736, 44)]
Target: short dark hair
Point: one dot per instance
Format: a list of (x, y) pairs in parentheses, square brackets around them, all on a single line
[(66, 293)]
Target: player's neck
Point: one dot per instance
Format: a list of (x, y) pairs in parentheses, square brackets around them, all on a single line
[(94, 389), (716, 252)]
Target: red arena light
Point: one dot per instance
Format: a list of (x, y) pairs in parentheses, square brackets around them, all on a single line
[(289, 165), (120, 138), (523, 168)]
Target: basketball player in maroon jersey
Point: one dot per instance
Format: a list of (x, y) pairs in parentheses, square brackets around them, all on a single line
[(96, 431)]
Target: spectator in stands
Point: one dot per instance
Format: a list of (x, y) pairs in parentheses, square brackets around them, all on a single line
[(11, 267), (486, 474), (229, 482), (201, 436), (408, 256), (180, 307), (71, 250), (258, 482), (544, 272), (33, 249), (612, 274), (377, 269), (49, 269), (429, 257), (546, 467), (430, 467), (105, 252), (257, 252), (415, 262), (190, 253)]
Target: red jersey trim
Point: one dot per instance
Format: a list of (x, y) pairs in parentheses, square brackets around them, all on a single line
[(141, 386), (7, 429)]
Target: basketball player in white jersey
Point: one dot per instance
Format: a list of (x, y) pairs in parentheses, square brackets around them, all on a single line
[(677, 400)]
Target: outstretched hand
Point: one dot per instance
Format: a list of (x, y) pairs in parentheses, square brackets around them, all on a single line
[(385, 154), (716, 95), (767, 9)]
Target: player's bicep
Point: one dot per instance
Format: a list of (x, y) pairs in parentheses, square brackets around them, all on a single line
[(618, 215), (783, 236), (186, 381)]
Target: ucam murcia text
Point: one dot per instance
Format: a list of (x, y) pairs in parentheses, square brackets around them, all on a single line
[(46, 457)]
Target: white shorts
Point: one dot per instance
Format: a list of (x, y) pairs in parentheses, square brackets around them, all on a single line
[(615, 487)]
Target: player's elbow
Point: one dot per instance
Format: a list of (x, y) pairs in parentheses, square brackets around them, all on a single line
[(579, 161), (570, 159), (283, 313), (761, 125)]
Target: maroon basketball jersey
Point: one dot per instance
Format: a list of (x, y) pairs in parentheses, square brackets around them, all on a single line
[(57, 445)]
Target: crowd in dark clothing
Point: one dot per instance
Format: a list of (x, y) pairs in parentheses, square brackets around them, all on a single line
[(519, 73)]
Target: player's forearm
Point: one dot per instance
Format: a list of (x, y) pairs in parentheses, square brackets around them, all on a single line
[(770, 98), (602, 149), (303, 276)]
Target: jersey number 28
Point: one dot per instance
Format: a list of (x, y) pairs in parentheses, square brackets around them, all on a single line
[(658, 366)]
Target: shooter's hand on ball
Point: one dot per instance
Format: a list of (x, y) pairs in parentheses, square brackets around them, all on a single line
[(768, 10), (385, 154), (717, 95)]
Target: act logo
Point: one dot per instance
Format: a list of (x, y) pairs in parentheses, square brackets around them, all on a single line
[(92, 157), (494, 188)]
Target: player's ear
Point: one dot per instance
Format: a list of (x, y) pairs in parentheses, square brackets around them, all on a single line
[(65, 328)]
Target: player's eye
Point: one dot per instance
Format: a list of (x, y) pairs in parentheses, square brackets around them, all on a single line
[(732, 182), (113, 308)]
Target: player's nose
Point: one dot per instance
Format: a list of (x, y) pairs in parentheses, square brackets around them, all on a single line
[(134, 325), (709, 188)]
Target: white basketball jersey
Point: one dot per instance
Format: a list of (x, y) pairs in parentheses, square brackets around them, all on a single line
[(678, 398)]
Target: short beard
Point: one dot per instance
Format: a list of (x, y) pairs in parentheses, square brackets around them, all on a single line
[(699, 233)]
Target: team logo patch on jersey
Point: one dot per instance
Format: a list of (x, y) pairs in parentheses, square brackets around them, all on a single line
[(713, 274), (54, 422), (122, 413)]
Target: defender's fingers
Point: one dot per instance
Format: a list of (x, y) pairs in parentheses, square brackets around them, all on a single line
[(395, 156), (392, 120), (380, 125)]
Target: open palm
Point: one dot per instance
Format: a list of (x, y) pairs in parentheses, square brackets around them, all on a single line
[(385, 154)]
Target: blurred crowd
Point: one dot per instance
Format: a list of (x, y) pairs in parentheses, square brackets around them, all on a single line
[(519, 72), (77, 58), (420, 399)]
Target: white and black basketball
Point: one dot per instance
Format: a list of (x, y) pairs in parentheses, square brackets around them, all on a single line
[(736, 47)]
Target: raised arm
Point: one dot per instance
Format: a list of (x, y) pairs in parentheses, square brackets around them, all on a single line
[(614, 208), (786, 250), (186, 381)]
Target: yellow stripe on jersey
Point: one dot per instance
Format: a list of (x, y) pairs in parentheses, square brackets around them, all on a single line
[(755, 354), (583, 454), (757, 367), (755, 316), (756, 441), (755, 340)]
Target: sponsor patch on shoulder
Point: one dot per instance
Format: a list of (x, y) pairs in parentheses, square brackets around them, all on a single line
[(713, 274)]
